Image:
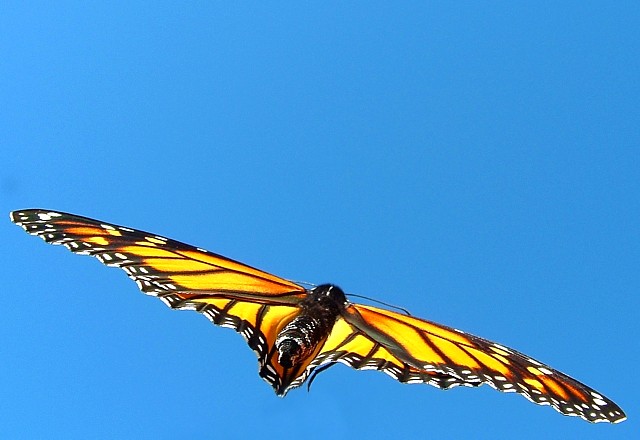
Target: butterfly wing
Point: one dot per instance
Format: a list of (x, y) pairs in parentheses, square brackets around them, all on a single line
[(231, 294), (417, 351), (159, 265), (259, 324)]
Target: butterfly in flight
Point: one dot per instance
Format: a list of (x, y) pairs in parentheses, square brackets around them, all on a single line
[(298, 332)]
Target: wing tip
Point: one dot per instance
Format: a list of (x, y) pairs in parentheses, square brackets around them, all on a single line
[(13, 215), (33, 214)]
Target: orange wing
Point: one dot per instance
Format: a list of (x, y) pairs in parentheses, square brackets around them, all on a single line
[(254, 303), (160, 266), (418, 351)]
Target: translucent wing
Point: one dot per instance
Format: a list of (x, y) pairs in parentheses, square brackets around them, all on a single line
[(414, 350), (254, 303), (160, 266)]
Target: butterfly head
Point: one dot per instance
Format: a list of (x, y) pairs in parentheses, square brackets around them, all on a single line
[(328, 293)]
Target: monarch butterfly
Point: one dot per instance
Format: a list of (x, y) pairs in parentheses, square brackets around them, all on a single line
[(298, 332)]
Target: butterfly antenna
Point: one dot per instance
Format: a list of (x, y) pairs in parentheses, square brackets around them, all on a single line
[(402, 309)]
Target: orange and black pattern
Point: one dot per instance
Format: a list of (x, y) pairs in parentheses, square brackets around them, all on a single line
[(279, 318)]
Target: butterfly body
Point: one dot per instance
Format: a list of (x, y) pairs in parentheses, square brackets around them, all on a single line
[(297, 332), (319, 311)]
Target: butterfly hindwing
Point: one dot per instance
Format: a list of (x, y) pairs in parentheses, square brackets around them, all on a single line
[(258, 323), (350, 346)]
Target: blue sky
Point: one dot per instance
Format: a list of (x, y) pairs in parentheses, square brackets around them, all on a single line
[(478, 165)]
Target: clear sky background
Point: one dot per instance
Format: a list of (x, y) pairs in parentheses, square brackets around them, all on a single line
[(478, 165)]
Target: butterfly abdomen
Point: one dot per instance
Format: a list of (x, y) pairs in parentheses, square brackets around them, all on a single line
[(299, 338)]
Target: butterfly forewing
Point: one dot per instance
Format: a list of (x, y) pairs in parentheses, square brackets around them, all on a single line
[(158, 265), (431, 347)]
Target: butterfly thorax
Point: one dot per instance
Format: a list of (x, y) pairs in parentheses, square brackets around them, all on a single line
[(300, 337)]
